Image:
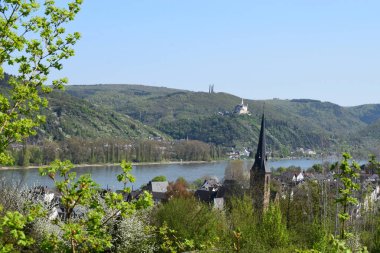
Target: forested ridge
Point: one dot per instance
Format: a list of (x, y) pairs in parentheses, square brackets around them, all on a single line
[(140, 115), (207, 117)]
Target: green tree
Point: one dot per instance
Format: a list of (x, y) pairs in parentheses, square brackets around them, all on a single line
[(346, 173), (12, 226), (169, 241), (374, 165), (34, 41), (126, 177), (26, 156), (244, 224), (272, 229), (85, 225), (205, 227)]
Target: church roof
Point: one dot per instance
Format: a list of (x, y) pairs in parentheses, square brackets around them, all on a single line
[(260, 157)]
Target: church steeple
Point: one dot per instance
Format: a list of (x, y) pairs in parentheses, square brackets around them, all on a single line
[(261, 158), (260, 174)]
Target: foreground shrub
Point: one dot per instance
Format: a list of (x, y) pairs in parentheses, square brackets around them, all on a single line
[(257, 233), (273, 229), (87, 218), (193, 223), (133, 234)]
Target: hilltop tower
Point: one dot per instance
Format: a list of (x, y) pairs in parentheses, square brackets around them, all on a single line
[(211, 89), (260, 174)]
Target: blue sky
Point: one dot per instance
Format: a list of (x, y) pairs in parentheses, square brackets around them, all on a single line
[(319, 49)]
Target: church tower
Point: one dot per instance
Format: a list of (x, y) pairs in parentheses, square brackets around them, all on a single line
[(260, 174)]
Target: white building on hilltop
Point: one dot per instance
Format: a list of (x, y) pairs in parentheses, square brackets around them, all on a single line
[(242, 108)]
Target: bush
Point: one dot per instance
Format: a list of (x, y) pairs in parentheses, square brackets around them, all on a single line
[(273, 230), (244, 219), (192, 220), (133, 234)]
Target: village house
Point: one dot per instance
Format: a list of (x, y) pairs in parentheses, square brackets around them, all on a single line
[(211, 192), (158, 190)]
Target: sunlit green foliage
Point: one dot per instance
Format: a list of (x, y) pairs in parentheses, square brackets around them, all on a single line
[(266, 233), (86, 218), (169, 241), (126, 176), (244, 219), (193, 224), (273, 229), (34, 41), (346, 173), (12, 229)]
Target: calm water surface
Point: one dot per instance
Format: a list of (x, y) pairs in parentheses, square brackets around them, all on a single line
[(106, 176)]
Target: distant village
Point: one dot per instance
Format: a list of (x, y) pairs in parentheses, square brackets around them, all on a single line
[(263, 184)]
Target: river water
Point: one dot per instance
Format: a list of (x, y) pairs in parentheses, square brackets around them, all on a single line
[(106, 175)]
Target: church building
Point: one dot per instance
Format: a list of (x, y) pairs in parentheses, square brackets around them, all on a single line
[(260, 174)]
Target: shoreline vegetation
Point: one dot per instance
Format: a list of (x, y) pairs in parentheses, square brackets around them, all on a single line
[(111, 164), (84, 165)]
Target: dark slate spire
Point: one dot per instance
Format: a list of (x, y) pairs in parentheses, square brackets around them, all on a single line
[(260, 158)]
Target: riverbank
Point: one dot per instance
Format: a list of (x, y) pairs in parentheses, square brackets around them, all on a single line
[(286, 161), (111, 164)]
